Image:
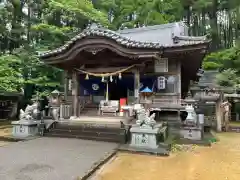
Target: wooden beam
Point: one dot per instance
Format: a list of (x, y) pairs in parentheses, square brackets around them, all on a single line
[(103, 70)]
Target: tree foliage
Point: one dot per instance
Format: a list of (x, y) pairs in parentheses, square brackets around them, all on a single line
[(32, 26), (228, 78)]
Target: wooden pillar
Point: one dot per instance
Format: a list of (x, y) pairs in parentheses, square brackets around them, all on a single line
[(66, 81), (75, 87), (107, 93), (136, 85), (179, 79)]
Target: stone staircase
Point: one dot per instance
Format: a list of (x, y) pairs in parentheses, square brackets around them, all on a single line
[(114, 132)]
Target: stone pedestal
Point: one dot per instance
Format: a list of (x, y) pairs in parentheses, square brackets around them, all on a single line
[(24, 128), (144, 137), (192, 133)]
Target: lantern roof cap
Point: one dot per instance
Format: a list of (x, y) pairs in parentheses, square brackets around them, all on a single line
[(146, 90)]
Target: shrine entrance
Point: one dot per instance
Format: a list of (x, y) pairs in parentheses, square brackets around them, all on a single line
[(117, 91)]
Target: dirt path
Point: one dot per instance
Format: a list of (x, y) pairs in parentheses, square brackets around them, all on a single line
[(219, 162), (5, 131)]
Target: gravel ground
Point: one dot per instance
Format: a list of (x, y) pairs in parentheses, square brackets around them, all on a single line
[(51, 158), (219, 162)]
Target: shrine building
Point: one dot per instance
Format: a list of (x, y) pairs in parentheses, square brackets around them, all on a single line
[(111, 68)]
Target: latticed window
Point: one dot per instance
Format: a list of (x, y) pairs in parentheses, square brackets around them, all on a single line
[(161, 82)]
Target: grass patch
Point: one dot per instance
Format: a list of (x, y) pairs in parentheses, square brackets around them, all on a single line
[(237, 124), (5, 128), (5, 132)]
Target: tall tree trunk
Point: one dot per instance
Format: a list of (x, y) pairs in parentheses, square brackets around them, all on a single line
[(214, 27), (29, 23), (203, 21)]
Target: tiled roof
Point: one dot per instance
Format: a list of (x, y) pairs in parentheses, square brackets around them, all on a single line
[(122, 38)]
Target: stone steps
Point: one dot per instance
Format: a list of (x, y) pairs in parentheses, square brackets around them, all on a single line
[(96, 138), (81, 127), (111, 133)]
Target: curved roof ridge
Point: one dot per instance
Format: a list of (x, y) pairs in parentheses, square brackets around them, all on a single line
[(105, 33), (96, 30), (148, 28), (192, 38)]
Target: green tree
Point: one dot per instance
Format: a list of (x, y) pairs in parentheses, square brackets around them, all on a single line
[(32, 26)]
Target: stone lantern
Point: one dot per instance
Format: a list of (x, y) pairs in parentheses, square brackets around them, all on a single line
[(146, 93), (191, 129), (54, 103), (192, 116)]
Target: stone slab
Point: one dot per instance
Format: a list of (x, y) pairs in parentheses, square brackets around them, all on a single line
[(206, 141), (144, 130), (160, 151), (12, 138), (234, 129), (196, 142), (51, 158)]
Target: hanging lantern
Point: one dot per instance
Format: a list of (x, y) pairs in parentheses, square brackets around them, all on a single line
[(111, 78), (87, 77), (120, 76), (102, 78)]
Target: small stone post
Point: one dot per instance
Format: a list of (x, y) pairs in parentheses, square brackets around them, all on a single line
[(41, 127), (219, 114)]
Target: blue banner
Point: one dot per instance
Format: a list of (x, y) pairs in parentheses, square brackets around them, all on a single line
[(94, 85)]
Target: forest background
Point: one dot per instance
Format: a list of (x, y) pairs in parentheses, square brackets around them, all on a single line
[(28, 27)]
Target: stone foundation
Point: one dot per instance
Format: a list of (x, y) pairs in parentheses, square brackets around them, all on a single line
[(24, 128), (144, 137), (192, 133)]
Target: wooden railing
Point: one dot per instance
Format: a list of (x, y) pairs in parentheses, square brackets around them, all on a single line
[(65, 111)]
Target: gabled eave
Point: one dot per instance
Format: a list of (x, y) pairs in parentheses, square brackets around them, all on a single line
[(178, 42)]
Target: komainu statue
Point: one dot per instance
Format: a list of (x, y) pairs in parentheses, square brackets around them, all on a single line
[(145, 120), (30, 112)]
